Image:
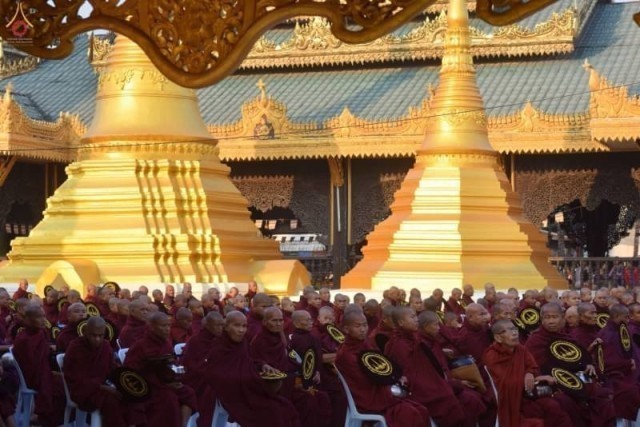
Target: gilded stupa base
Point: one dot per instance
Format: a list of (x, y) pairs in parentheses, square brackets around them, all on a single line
[(455, 221), (148, 201)]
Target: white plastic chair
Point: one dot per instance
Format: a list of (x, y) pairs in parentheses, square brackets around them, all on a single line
[(355, 418), (495, 391), (81, 416), (192, 420), (122, 354), (221, 417), (25, 403), (178, 349)]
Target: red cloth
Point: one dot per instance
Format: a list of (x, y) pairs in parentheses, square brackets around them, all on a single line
[(51, 312), (62, 316), (20, 293), (466, 300), (31, 350), (179, 335), (381, 335), (374, 398), (585, 334), (194, 361), (196, 324), (254, 326), (454, 306), (468, 339), (426, 380), (163, 408), (132, 331), (618, 373), (85, 371), (508, 370), (245, 395), (66, 337)]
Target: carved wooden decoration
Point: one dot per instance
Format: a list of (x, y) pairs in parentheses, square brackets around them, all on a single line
[(266, 192), (196, 43)]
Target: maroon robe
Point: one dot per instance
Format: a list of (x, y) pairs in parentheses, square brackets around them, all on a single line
[(51, 312), (313, 311), (468, 339), (32, 352), (4, 327), (618, 373), (132, 331), (180, 335), (585, 334), (194, 362), (254, 326), (381, 335), (466, 300), (314, 409), (64, 312), (246, 396), (338, 314), (374, 398), (634, 332), (427, 383), (163, 408), (20, 293), (66, 337), (85, 370), (508, 369), (597, 410), (454, 306), (196, 324)]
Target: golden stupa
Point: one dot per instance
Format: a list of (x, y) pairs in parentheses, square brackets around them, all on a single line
[(455, 219), (148, 201)]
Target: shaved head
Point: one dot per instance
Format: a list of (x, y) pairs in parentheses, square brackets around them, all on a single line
[(234, 316)]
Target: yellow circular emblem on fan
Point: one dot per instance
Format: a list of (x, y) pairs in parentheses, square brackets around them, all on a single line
[(565, 351), (377, 364), (566, 378), (625, 339), (81, 327), (519, 323), (335, 333), (308, 365), (530, 316), (92, 310), (602, 319), (134, 384), (110, 332), (600, 356)]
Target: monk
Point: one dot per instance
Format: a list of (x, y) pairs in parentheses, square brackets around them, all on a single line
[(619, 366), (50, 306), (73, 297), (181, 327), (197, 314), (194, 362), (467, 295), (88, 363), (5, 315), (634, 331), (325, 296), (340, 302), (514, 371), (453, 303), (32, 352), (371, 311), (259, 303), (597, 410), (22, 291), (425, 378), (136, 324), (105, 293), (314, 303), (171, 402), (245, 395), (473, 337), (369, 396), (76, 313), (586, 333), (92, 294), (382, 333)]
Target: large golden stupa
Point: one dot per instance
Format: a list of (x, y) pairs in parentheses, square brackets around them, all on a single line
[(148, 200), (455, 219)]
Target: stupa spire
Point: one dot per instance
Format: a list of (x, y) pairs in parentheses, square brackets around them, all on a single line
[(459, 122)]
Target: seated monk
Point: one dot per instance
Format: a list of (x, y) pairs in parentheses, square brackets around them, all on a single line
[(181, 326), (197, 314), (383, 331), (50, 306), (248, 398), (270, 347), (586, 333), (194, 361), (76, 313), (136, 324), (597, 409), (369, 396), (259, 303), (619, 365), (171, 402), (72, 297), (33, 354), (425, 378), (88, 363), (314, 303), (514, 371)]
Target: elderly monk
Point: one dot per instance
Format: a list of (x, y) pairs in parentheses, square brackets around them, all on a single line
[(76, 313), (473, 337), (194, 361), (171, 402), (369, 396), (270, 347), (259, 303), (22, 291), (514, 371), (597, 409), (88, 363), (136, 324), (619, 366), (425, 377), (571, 318), (586, 332), (32, 352), (181, 327), (245, 395)]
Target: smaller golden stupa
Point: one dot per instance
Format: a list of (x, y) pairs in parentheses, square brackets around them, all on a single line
[(455, 219), (148, 201)]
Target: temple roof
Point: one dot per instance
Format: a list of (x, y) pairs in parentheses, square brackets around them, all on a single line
[(558, 88)]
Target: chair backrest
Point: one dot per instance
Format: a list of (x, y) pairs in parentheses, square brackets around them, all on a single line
[(118, 342), (495, 392), (351, 403), (178, 349), (60, 360), (23, 384), (122, 354)]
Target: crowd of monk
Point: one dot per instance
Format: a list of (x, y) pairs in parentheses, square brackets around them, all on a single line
[(534, 359)]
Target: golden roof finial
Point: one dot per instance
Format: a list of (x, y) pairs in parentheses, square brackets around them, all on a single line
[(459, 122)]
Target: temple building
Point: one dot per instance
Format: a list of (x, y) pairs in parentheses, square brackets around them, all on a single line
[(320, 134)]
